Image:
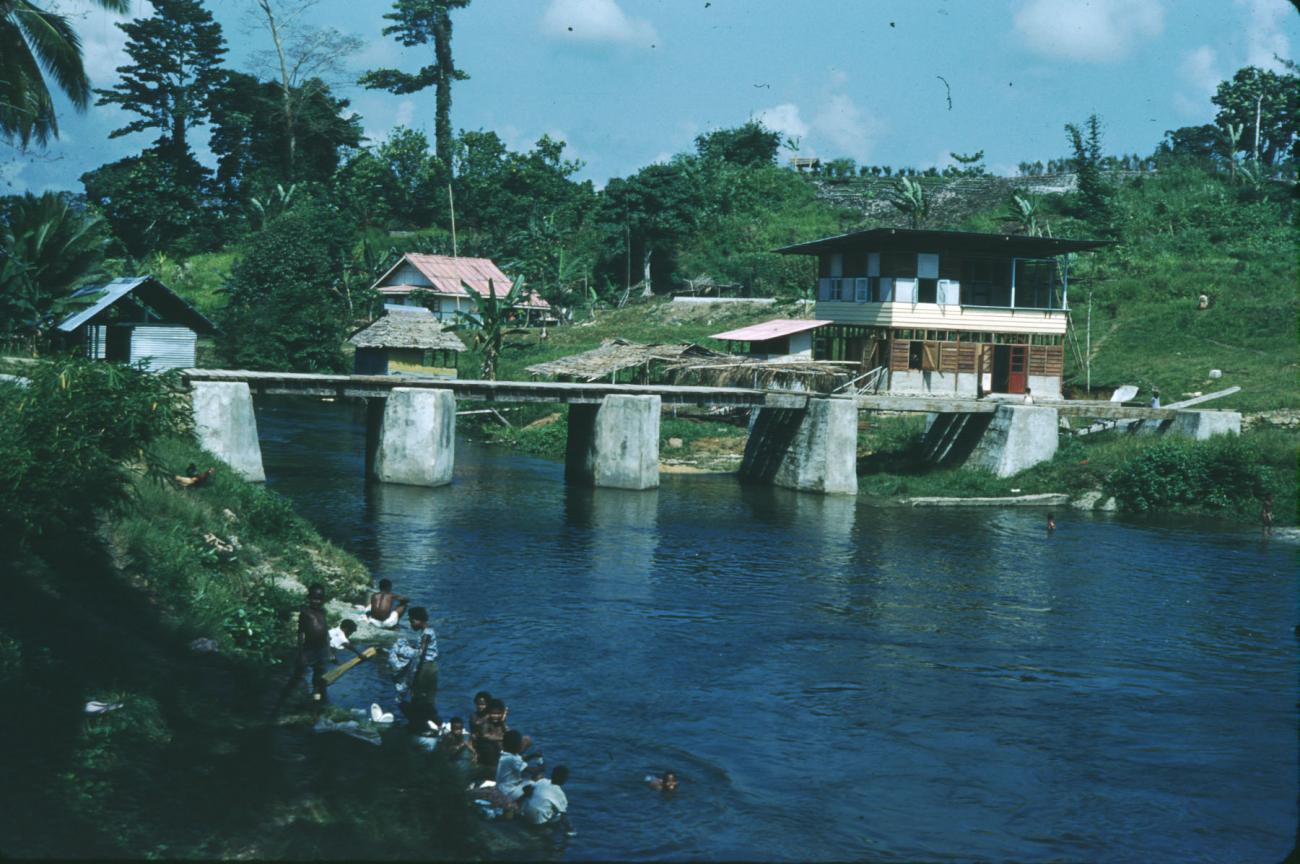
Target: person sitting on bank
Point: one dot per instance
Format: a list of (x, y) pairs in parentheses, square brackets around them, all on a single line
[(544, 802), (512, 766), (386, 608), (1155, 397), (1029, 396), (341, 637), (193, 477), (413, 663), (456, 743), (666, 782), (313, 648)]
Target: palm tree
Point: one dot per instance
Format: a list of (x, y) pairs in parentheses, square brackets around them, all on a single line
[(32, 39), (489, 324), (48, 250)]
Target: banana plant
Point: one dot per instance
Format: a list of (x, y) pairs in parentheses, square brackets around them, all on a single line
[(909, 198), (490, 323)]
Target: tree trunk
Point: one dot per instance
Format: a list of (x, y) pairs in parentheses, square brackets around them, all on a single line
[(442, 105), (647, 290)]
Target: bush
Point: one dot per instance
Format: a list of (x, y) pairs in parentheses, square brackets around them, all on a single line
[(72, 439), (1219, 474)]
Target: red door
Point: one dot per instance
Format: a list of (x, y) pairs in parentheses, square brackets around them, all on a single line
[(1017, 374)]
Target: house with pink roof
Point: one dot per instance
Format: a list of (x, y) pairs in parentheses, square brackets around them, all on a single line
[(443, 282)]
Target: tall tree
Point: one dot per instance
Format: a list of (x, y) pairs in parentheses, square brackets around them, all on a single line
[(32, 38), (305, 59), (1094, 191), (249, 136), (419, 22), (175, 71), (1267, 108)]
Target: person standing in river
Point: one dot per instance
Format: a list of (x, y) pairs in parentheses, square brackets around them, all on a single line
[(1266, 515), (313, 648), (414, 663)]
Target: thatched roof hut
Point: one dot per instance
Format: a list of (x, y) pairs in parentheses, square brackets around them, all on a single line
[(616, 355), (413, 327)]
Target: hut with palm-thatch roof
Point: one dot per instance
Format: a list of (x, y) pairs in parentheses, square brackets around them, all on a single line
[(406, 341)]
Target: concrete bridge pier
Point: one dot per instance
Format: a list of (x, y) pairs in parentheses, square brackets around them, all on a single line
[(811, 449), (226, 426), (614, 444), (1018, 437), (411, 437)]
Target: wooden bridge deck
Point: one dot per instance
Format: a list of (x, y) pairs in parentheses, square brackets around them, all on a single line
[(377, 386)]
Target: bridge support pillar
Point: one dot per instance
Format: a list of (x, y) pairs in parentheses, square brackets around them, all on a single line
[(413, 439), (1199, 425), (614, 444), (1017, 437), (226, 426), (813, 449)]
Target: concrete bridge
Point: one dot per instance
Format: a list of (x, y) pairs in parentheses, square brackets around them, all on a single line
[(797, 440)]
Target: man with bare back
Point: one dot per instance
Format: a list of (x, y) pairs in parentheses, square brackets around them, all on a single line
[(386, 608)]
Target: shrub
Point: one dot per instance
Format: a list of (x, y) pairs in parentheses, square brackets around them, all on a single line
[(71, 440), (1219, 474)]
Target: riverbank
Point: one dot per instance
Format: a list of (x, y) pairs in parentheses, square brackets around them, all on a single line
[(1225, 478), (173, 608)]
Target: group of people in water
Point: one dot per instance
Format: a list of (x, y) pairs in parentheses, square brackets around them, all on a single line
[(512, 775)]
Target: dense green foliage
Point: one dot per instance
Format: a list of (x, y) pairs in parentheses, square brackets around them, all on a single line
[(47, 251), (72, 439), (287, 309), (33, 37)]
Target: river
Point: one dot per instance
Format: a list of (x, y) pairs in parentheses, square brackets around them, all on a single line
[(835, 679)]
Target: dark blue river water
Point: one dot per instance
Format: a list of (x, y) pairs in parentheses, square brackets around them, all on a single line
[(835, 679)]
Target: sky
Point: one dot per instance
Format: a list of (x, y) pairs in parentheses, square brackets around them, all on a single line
[(629, 82)]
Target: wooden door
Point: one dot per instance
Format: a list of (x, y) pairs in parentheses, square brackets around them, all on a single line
[(1018, 371)]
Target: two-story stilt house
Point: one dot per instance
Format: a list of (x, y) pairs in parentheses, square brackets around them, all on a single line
[(946, 312)]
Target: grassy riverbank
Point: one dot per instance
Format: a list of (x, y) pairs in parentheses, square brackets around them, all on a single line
[(1224, 477), (114, 573)]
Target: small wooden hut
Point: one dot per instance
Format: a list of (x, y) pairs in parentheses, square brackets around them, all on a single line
[(134, 319), (406, 341)]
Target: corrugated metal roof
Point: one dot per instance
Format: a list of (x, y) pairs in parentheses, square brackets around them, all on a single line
[(149, 290), (774, 329), (924, 240), (449, 275)]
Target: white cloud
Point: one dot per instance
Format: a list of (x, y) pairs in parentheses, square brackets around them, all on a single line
[(1091, 31), (785, 119), (595, 21), (1264, 34), (1200, 70), (838, 128), (845, 127)]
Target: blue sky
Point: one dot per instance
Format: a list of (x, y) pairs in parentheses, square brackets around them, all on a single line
[(635, 81)]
